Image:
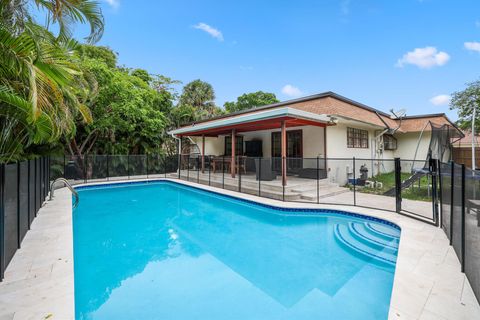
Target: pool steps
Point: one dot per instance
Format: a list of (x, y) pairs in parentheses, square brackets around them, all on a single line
[(306, 191), (369, 240)]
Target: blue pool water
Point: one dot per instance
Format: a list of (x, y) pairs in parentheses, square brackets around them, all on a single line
[(166, 251)]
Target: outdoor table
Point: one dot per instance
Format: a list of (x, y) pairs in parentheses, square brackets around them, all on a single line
[(219, 162)]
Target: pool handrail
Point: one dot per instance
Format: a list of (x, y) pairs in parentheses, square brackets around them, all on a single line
[(69, 186)]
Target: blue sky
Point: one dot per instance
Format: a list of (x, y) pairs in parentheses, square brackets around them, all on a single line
[(385, 53)]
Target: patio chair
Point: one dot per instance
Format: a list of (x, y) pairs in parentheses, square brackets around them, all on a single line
[(242, 164), (263, 169)]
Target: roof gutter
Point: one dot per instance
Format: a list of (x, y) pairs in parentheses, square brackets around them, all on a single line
[(381, 119)]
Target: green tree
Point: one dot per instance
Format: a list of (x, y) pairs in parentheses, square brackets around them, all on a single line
[(100, 53), (250, 100), (464, 102), (200, 96), (142, 74), (130, 115)]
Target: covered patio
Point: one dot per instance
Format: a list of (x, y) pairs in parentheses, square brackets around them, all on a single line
[(274, 143), (298, 189)]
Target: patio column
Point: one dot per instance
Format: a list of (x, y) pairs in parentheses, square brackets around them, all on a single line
[(179, 155), (232, 164), (284, 152), (203, 153)]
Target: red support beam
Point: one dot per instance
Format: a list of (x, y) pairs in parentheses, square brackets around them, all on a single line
[(284, 153), (203, 153), (254, 126), (232, 163)]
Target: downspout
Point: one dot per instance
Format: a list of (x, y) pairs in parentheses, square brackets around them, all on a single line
[(377, 141), (179, 150)]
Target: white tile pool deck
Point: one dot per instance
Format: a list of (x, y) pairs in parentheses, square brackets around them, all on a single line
[(428, 283)]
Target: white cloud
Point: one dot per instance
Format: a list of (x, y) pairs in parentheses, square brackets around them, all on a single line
[(217, 34), (440, 100), (113, 3), (473, 46), (424, 58), (291, 91)]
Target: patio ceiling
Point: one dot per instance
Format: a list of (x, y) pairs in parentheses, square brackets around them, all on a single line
[(263, 120)]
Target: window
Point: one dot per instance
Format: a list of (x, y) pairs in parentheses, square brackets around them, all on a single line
[(357, 138), (389, 142), (238, 147)]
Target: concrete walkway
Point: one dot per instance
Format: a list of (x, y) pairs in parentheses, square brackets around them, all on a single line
[(428, 283)]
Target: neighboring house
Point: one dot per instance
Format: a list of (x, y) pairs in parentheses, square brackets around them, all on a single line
[(325, 125), (462, 150)]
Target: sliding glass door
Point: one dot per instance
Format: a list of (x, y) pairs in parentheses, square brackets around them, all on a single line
[(294, 150)]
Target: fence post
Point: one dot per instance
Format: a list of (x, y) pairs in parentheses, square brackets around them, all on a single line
[(146, 162), (440, 191), (259, 175), (209, 168), (128, 166), (85, 163), (35, 187), (398, 185), (45, 172), (354, 183), (2, 220), (223, 172), (452, 193), (188, 167), (318, 180), (284, 165), (49, 171), (28, 192), (179, 165), (165, 166), (239, 175), (198, 169), (433, 170), (108, 168), (18, 205), (463, 217)]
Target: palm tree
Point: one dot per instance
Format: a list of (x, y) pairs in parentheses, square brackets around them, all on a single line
[(37, 89), (40, 85), (65, 13), (199, 95)]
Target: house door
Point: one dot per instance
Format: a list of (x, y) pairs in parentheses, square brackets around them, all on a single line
[(294, 151)]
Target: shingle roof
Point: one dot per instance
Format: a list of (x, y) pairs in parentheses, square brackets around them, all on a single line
[(331, 103), (418, 122), (466, 141)]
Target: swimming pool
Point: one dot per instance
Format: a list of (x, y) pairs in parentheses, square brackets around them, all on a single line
[(163, 250)]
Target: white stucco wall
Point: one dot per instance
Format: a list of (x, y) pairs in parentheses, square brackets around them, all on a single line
[(337, 141), (407, 144), (213, 146), (338, 170)]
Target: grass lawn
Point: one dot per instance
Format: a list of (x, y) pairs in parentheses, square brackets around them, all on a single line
[(414, 192)]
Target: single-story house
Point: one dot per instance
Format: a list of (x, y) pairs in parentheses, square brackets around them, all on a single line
[(325, 126)]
